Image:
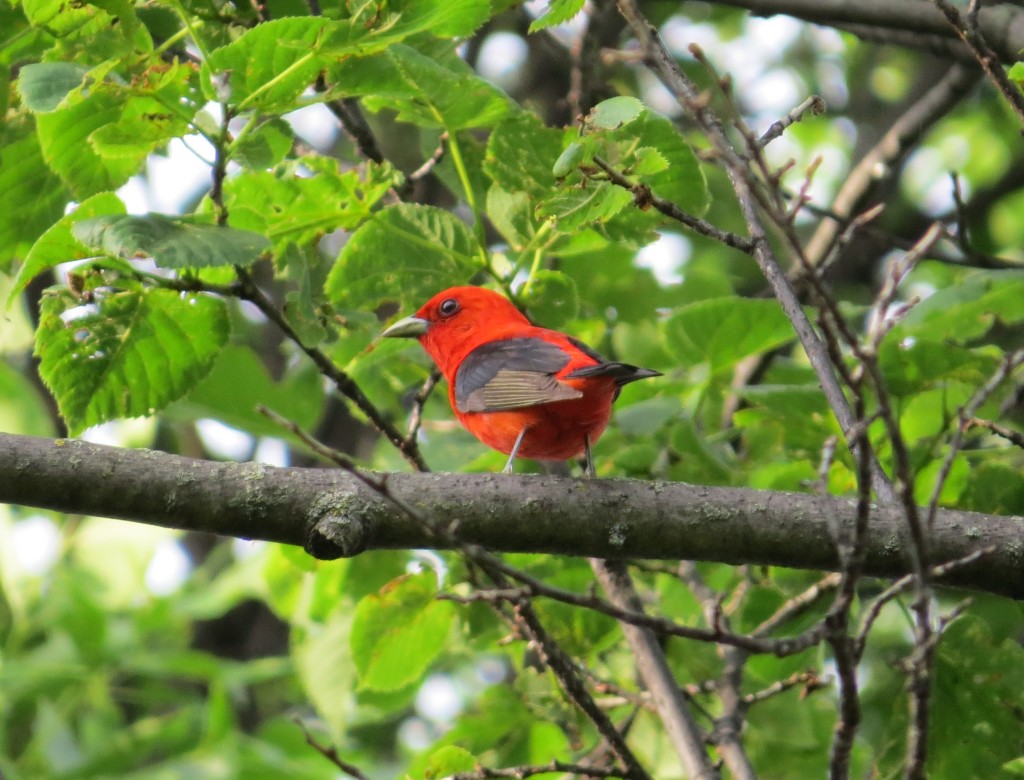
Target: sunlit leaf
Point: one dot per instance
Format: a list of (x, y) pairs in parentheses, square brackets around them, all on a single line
[(427, 250), (172, 243), (397, 633), (126, 353)]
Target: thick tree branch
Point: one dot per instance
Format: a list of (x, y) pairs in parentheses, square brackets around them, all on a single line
[(915, 22), (332, 514)]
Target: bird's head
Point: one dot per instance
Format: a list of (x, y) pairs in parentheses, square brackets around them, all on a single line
[(456, 321)]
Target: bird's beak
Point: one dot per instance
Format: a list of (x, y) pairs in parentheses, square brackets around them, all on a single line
[(409, 328)]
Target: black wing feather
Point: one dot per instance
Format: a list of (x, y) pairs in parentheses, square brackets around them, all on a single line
[(511, 374)]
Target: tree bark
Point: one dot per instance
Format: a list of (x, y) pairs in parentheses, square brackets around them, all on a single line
[(332, 513)]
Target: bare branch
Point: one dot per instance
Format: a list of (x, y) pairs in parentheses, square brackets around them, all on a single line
[(814, 105), (334, 514), (682, 729)]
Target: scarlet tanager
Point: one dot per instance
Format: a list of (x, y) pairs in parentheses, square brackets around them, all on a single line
[(528, 392)]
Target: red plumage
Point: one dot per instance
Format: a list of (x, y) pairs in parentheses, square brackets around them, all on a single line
[(520, 389)]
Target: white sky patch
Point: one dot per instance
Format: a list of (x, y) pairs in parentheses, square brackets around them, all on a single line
[(501, 59), (416, 734), (134, 432), (223, 441), (566, 31), (315, 124), (175, 179), (666, 257), (925, 178), (243, 549), (168, 568), (439, 699), (491, 671), (36, 542), (271, 451)]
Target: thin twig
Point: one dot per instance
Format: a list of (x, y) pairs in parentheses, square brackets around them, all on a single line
[(644, 198), (683, 732), (970, 33), (529, 770), (345, 384), (330, 752), (965, 415), (814, 105), (418, 402), (1012, 436)]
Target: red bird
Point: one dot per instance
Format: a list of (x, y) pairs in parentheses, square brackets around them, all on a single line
[(528, 392)]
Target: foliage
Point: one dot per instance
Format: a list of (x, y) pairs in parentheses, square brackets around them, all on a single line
[(302, 248)]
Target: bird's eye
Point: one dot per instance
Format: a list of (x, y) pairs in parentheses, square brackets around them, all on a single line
[(448, 307)]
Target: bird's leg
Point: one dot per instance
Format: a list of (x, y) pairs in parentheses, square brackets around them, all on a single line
[(515, 449), (590, 472)]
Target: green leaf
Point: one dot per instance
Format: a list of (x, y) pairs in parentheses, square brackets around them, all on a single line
[(128, 353), (325, 670), (269, 66), (592, 201), (558, 11), (58, 244), (64, 138), (551, 298), (239, 382), (264, 147), (399, 631), (32, 197), (611, 114), (427, 250), (171, 242), (432, 93), (43, 85), (913, 365), (966, 310), (289, 206), (722, 331), (682, 182), (448, 760), (955, 483), (80, 20), (512, 215), (521, 153)]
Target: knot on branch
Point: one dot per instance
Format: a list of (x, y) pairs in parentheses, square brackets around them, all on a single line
[(336, 536)]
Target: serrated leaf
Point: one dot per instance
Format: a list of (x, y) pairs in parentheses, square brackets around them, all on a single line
[(43, 85), (399, 631), (288, 205), (264, 147), (426, 92), (171, 242), (32, 197), (64, 139), (681, 181), (269, 66), (426, 249), (597, 201), (511, 214), (521, 153), (58, 245), (558, 11), (448, 760), (128, 353), (63, 20), (324, 668), (722, 331), (614, 112), (966, 310), (376, 29)]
